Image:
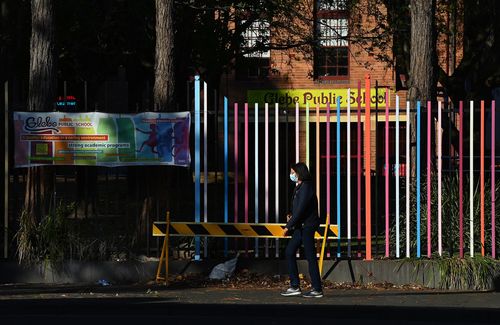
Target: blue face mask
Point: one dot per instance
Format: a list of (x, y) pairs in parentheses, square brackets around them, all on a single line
[(293, 178)]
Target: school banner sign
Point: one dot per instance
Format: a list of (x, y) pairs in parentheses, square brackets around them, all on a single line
[(100, 139), (288, 97)]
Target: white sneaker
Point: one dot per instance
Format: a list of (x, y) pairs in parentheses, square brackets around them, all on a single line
[(313, 294), (291, 292)]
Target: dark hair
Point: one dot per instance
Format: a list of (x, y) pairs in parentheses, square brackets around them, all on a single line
[(302, 171)]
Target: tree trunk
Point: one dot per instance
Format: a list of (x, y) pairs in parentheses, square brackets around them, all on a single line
[(42, 91), (42, 87), (422, 81), (156, 182), (164, 87), (42, 74)]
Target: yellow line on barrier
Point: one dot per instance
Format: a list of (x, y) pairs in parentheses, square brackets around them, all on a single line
[(214, 229), (157, 231), (275, 230), (182, 228), (246, 230)]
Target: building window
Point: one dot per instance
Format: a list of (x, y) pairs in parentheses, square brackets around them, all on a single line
[(331, 55), (332, 5), (256, 35), (254, 63)]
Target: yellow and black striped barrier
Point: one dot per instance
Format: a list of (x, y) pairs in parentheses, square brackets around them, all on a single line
[(213, 229)]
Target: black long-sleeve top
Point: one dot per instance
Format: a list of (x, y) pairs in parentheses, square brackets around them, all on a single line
[(304, 207)]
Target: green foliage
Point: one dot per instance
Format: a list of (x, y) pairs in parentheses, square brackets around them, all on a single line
[(52, 235), (45, 241), (476, 273), (450, 216), (100, 239), (26, 239), (57, 238)]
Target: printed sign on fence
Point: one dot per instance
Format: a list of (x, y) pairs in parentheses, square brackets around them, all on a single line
[(321, 97), (100, 139)]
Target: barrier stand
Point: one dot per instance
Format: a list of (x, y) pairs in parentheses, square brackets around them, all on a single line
[(237, 230), (337, 260), (164, 254), (322, 254)]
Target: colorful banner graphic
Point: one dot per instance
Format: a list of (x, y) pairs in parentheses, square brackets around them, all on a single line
[(100, 139)]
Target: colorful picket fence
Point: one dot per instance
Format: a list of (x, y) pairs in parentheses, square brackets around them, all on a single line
[(400, 203)]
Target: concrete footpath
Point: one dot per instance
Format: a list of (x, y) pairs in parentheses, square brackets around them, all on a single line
[(84, 303), (357, 292)]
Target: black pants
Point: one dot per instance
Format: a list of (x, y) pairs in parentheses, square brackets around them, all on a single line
[(303, 236)]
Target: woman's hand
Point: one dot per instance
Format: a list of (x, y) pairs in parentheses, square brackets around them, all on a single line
[(285, 231)]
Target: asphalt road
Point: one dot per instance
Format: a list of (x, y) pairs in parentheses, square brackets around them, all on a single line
[(90, 304)]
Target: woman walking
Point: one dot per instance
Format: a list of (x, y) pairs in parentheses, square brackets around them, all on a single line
[(302, 224)]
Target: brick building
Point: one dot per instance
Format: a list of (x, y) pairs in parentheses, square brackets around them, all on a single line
[(326, 72), (318, 76)]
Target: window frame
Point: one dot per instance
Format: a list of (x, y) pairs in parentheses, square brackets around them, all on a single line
[(253, 40), (329, 14), (256, 61)]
